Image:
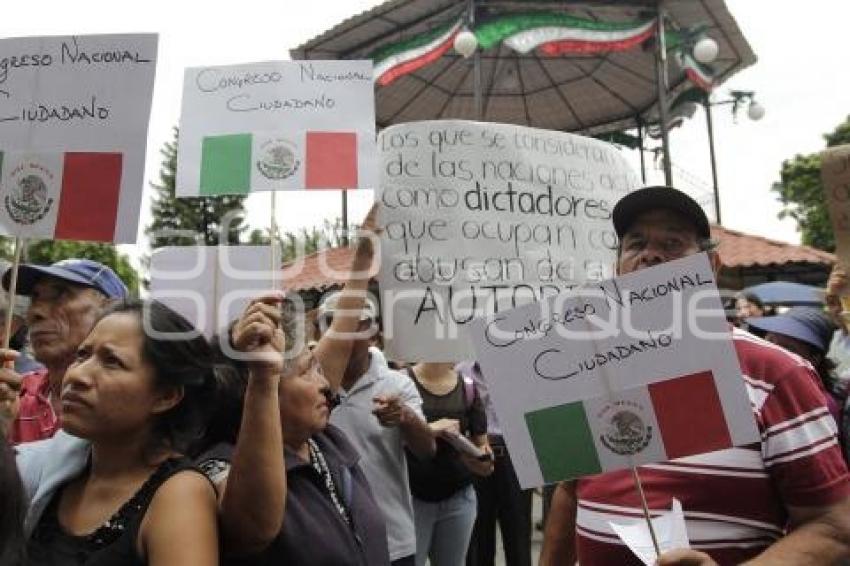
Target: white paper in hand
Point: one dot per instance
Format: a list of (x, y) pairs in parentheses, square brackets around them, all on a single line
[(669, 528)]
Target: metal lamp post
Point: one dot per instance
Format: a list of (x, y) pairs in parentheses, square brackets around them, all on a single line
[(755, 111)]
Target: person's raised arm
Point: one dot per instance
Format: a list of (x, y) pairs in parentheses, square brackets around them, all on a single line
[(254, 497), (559, 535), (334, 348)]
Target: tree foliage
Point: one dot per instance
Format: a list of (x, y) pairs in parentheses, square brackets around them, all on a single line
[(189, 221), (304, 242), (801, 192)]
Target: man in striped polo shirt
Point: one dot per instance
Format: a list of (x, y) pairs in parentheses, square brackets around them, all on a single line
[(784, 500)]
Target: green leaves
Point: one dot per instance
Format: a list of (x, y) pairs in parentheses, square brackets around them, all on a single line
[(801, 192)]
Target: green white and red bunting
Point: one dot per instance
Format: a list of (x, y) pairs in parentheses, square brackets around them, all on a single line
[(62, 196), (698, 74), (556, 34), (399, 59)]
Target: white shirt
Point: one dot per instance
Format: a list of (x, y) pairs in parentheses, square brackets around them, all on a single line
[(382, 448), (839, 352)]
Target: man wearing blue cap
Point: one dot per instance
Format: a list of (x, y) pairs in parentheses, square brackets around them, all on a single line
[(66, 299), (807, 332), (783, 500)]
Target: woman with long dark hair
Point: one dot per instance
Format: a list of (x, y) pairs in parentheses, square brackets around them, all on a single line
[(113, 487)]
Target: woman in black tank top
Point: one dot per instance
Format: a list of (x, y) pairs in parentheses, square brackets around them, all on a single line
[(443, 498), (138, 397)]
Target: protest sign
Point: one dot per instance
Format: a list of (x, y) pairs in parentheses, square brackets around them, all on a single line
[(210, 285), (277, 126), (629, 371), (483, 217), (74, 116), (835, 174)]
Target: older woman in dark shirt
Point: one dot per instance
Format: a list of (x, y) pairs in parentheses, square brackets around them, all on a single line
[(313, 507)]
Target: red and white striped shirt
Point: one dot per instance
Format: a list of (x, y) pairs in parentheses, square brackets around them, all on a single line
[(735, 501)]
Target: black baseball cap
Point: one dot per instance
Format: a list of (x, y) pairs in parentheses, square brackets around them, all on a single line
[(643, 200)]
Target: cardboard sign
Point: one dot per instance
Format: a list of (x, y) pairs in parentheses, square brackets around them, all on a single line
[(277, 126), (835, 173), (210, 285), (74, 117), (630, 371), (480, 218)]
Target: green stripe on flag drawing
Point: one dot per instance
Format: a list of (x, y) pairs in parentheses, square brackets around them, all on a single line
[(563, 442), (226, 164)]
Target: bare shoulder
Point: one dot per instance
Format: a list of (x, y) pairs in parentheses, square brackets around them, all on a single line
[(185, 494), (182, 488), (180, 525)]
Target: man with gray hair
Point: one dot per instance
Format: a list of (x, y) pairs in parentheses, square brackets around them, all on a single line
[(65, 300)]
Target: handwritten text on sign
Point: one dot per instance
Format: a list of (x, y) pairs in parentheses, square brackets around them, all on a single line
[(610, 348), (280, 104), (89, 93), (483, 217)]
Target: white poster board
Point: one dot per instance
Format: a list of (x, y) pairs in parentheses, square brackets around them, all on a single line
[(277, 125), (629, 371), (835, 174), (210, 285), (89, 93), (480, 218)]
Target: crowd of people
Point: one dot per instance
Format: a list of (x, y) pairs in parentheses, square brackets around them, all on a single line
[(135, 440)]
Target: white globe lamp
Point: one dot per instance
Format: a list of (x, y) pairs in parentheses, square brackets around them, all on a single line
[(465, 43), (705, 50), (755, 111)]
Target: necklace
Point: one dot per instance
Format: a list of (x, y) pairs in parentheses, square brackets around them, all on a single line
[(317, 459)]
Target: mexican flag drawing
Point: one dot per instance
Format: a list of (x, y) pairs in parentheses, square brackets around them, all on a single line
[(274, 126), (62, 196), (240, 163), (625, 372), (73, 137), (652, 423)]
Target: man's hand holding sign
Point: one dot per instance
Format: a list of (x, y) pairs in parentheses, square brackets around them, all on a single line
[(643, 370)]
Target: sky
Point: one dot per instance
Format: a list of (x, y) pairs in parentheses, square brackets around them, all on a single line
[(797, 79)]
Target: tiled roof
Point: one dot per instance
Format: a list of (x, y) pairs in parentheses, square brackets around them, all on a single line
[(330, 267), (319, 270), (738, 249)]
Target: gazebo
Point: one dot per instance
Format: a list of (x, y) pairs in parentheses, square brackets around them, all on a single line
[(589, 67)]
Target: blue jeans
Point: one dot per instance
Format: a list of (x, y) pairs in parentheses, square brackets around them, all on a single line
[(443, 529)]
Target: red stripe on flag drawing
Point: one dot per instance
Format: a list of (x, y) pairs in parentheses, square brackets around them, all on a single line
[(88, 205), (331, 160), (690, 415)]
